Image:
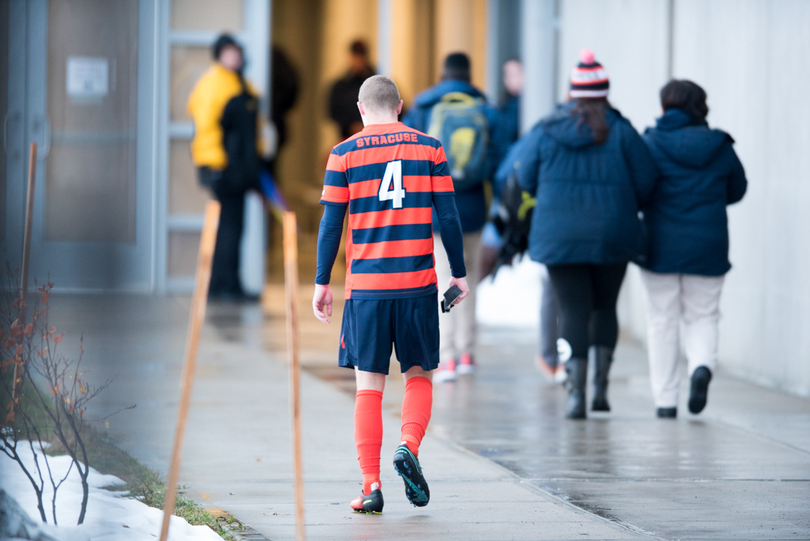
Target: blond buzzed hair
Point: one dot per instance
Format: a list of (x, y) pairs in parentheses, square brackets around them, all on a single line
[(379, 94)]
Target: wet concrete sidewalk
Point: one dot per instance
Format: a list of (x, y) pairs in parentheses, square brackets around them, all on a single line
[(501, 461)]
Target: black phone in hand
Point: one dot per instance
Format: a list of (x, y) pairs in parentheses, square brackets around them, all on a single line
[(449, 297)]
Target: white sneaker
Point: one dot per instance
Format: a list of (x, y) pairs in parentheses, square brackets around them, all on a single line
[(446, 371), (466, 365), (544, 368), (559, 374)]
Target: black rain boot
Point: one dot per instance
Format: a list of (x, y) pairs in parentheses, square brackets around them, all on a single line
[(700, 389), (603, 357), (577, 371), (667, 413)]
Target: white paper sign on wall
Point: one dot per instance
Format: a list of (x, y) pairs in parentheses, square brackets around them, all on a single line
[(88, 78)]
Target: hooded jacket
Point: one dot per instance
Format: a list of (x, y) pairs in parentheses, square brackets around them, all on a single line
[(225, 113), (472, 205), (686, 217), (588, 194)]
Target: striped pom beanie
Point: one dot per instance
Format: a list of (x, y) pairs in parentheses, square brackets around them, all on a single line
[(589, 79)]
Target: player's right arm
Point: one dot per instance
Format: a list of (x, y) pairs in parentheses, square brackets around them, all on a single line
[(444, 201), (335, 198)]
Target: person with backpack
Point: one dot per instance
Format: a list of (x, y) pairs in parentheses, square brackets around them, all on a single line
[(687, 227), (459, 116), (591, 173)]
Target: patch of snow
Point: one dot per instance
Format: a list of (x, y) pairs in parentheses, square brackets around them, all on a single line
[(111, 515), (513, 298)]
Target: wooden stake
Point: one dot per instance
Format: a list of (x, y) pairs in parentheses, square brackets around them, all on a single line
[(29, 220), (291, 287), (198, 305)]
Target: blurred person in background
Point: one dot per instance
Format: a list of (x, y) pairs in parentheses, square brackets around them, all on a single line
[(508, 133), (284, 84), (343, 96), (492, 243), (225, 112), (687, 229), (458, 114), (509, 111), (592, 173), (548, 361), (507, 233)]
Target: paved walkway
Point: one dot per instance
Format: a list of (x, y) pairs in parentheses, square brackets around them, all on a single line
[(501, 461)]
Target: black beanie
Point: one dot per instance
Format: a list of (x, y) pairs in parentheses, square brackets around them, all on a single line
[(224, 40)]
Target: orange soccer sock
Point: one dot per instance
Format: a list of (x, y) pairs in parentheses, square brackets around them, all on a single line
[(368, 431), (416, 408)]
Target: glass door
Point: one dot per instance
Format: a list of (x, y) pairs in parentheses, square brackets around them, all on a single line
[(88, 104)]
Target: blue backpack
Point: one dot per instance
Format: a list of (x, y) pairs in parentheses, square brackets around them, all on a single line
[(459, 122)]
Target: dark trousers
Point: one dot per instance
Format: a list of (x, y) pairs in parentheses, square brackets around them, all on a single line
[(225, 269), (549, 326), (587, 295)]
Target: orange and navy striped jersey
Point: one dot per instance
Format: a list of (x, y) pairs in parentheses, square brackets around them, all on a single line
[(388, 174)]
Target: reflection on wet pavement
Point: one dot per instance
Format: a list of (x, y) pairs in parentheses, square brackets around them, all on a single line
[(739, 470), (699, 476)]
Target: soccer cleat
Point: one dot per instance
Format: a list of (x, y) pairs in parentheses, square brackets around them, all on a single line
[(370, 505), (407, 466), (466, 364), (446, 371)]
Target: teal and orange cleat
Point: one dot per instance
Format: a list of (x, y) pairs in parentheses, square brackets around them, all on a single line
[(407, 466)]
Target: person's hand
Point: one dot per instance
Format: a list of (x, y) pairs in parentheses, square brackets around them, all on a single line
[(322, 302), (462, 285)]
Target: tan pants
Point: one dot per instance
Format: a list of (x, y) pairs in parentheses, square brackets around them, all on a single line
[(457, 329)]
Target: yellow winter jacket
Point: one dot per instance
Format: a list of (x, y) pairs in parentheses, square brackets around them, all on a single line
[(206, 105)]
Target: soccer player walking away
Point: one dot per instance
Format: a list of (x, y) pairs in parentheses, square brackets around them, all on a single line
[(390, 177)]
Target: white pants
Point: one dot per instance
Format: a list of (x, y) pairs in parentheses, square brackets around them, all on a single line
[(457, 328), (673, 299)]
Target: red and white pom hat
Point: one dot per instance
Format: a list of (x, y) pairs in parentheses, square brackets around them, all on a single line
[(589, 79)]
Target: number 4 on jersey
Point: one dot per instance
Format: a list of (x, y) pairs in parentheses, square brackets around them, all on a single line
[(391, 186)]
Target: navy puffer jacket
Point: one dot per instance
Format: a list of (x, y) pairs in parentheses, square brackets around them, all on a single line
[(686, 217), (588, 194)]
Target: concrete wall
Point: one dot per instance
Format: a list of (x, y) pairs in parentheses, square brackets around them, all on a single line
[(749, 55)]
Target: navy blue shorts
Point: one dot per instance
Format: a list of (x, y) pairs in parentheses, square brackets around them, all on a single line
[(372, 326)]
